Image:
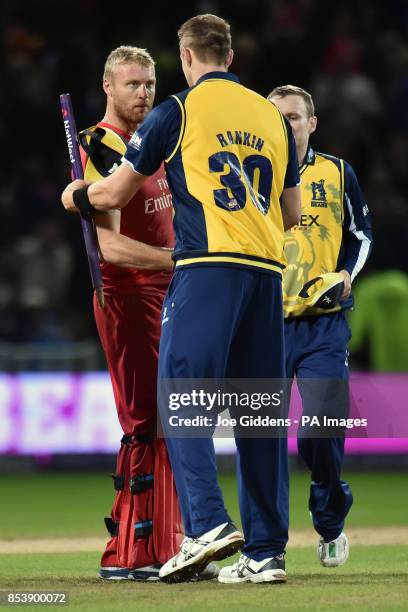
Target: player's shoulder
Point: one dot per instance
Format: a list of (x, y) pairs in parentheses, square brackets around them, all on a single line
[(345, 169), (99, 129), (349, 170), (91, 128), (263, 103), (326, 157), (181, 96), (161, 119), (337, 161), (88, 133), (167, 112), (102, 135)]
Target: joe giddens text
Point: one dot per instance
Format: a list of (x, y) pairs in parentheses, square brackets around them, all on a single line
[(247, 420)]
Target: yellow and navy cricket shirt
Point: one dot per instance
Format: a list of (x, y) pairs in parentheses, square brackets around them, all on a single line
[(334, 232), (229, 153)]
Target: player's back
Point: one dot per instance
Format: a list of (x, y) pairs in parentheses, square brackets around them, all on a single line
[(227, 174)]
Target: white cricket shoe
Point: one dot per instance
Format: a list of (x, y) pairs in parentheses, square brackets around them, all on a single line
[(334, 553), (196, 553), (248, 570)]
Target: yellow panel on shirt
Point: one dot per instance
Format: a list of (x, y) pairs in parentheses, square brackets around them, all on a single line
[(312, 247), (234, 156)]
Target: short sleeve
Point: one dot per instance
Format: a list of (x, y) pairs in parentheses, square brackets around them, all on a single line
[(155, 138)]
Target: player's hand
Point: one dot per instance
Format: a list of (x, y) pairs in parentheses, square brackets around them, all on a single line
[(66, 197), (347, 284)]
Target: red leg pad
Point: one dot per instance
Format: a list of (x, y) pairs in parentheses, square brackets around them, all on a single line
[(167, 526)]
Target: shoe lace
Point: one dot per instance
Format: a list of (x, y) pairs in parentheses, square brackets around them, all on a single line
[(241, 565), (184, 553), (187, 545)]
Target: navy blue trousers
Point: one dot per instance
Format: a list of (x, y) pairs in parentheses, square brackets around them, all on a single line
[(316, 352), (227, 322)]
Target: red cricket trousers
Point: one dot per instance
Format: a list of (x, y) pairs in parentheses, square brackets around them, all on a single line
[(129, 328)]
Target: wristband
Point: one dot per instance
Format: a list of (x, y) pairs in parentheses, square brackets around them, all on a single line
[(81, 201)]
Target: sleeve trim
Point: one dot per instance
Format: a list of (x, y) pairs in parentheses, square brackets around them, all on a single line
[(285, 131), (182, 128), (127, 162), (342, 190), (364, 240)]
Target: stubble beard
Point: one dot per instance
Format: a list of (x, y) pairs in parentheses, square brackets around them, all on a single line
[(129, 117)]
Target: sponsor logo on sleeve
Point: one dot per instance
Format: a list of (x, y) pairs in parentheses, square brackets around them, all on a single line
[(136, 141)]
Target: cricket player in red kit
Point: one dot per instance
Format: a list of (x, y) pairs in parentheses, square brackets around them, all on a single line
[(145, 523)]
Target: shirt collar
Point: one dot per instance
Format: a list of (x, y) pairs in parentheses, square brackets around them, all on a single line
[(226, 76), (114, 129), (309, 159)]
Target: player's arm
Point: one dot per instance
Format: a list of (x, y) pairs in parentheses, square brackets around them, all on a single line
[(123, 251), (290, 206), (357, 234), (111, 192), (145, 152), (290, 198)]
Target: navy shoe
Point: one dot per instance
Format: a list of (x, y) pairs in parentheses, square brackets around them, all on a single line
[(143, 574)]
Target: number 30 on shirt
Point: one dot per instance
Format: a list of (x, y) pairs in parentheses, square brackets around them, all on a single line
[(239, 178)]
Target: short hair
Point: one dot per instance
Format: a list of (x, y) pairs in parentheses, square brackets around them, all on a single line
[(126, 54), (293, 90), (208, 36)]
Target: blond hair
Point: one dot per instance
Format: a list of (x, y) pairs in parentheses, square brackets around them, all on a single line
[(126, 54), (208, 36), (293, 90)]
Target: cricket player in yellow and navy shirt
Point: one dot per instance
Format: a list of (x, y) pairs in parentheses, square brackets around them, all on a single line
[(232, 168), (334, 235)]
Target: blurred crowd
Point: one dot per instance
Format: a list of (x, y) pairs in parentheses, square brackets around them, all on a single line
[(352, 56)]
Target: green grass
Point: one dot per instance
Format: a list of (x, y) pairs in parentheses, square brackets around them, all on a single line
[(72, 505), (375, 578)]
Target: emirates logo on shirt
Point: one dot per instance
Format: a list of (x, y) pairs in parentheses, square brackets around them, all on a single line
[(153, 205), (162, 202)]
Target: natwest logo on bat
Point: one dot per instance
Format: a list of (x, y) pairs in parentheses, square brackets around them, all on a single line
[(69, 141)]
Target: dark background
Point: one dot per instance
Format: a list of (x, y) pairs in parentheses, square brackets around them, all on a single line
[(352, 56)]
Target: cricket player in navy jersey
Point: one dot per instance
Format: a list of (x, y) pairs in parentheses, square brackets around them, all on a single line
[(231, 165), (333, 236)]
